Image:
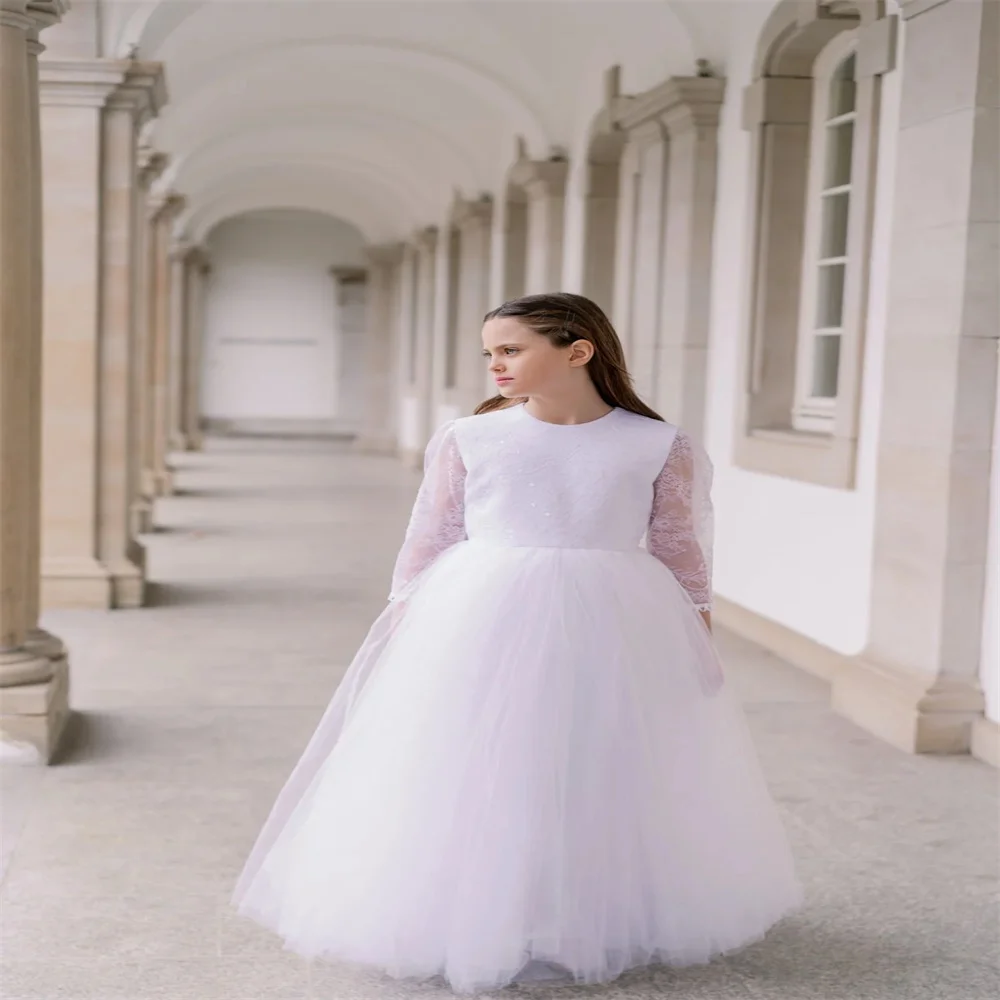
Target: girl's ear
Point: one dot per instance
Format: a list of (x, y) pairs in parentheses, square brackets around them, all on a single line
[(580, 352)]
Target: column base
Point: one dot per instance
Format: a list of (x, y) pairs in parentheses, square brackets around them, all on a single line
[(918, 714), (128, 582), (164, 486), (75, 583), (179, 441), (43, 643), (147, 484), (195, 441), (986, 741), (141, 517), (33, 718)]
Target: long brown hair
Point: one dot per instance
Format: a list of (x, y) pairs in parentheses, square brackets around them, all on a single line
[(565, 319)]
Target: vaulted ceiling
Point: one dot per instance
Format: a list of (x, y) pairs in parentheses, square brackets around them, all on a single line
[(377, 111)]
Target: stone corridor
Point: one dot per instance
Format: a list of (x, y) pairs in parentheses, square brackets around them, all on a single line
[(273, 559)]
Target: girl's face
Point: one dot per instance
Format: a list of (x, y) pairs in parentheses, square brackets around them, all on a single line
[(524, 363)]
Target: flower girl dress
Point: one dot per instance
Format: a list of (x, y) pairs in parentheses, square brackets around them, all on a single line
[(533, 761)]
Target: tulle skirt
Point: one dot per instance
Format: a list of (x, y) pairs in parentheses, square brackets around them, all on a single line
[(531, 760)]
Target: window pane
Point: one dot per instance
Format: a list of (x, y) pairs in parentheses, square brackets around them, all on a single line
[(839, 149), (830, 296), (842, 89), (833, 241), (826, 364)]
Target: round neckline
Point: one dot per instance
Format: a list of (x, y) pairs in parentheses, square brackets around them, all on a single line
[(550, 423)]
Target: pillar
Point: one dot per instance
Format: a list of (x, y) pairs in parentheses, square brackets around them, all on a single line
[(444, 326), (378, 433), (157, 479), (92, 110), (474, 220), (692, 124), (416, 416), (181, 258), (665, 231), (198, 272), (352, 305), (34, 677), (150, 164), (545, 186), (916, 685)]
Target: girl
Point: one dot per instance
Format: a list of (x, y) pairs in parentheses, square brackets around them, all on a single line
[(533, 768)]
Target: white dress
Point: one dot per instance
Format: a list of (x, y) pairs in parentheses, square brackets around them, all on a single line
[(533, 760)]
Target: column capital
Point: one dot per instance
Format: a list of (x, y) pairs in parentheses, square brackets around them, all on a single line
[(142, 90), (181, 250), (472, 212), (349, 275), (116, 83), (165, 205), (13, 14), (683, 103), (541, 178), (385, 254), (426, 238), (150, 163)]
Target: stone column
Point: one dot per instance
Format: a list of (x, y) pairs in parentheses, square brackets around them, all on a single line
[(92, 110), (352, 308), (378, 433), (666, 241), (181, 256), (916, 685), (198, 273), (474, 220), (34, 692), (642, 217), (417, 416), (157, 477), (39, 639), (444, 325), (149, 166), (546, 189), (692, 123)]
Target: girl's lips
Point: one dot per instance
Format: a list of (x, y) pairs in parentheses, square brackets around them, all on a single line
[(503, 381)]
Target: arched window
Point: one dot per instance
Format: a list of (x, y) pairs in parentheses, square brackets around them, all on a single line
[(813, 110), (827, 259)]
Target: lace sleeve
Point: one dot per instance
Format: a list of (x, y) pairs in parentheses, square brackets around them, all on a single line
[(438, 518), (680, 523)]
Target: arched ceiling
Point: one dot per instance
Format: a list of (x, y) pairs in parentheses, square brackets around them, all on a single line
[(379, 110)]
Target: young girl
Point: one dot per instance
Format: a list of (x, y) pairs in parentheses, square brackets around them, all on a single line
[(533, 767)]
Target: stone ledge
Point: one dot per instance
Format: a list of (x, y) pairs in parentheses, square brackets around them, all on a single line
[(33, 718), (986, 741), (914, 713), (797, 649), (75, 583)]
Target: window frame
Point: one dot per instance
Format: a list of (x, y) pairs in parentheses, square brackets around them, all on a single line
[(811, 413)]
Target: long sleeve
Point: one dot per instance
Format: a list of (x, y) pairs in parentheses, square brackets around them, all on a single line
[(438, 518), (680, 523)]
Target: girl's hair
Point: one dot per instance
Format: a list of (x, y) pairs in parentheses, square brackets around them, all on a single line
[(565, 319)]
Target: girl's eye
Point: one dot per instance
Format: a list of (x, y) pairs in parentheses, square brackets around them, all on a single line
[(510, 350)]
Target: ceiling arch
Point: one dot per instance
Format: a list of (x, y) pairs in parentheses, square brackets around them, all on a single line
[(415, 98), (378, 214)]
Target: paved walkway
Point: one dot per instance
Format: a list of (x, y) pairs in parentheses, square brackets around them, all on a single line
[(273, 562)]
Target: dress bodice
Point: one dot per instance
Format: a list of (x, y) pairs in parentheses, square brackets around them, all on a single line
[(508, 478), (533, 483)]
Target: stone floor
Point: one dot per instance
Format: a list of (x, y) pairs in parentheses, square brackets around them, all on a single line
[(270, 565)]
